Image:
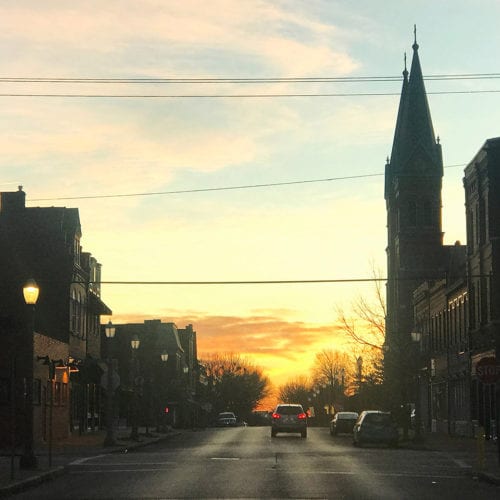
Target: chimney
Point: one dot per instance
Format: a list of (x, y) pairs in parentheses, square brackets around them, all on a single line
[(12, 201)]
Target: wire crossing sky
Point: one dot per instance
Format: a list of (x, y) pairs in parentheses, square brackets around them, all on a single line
[(237, 142)]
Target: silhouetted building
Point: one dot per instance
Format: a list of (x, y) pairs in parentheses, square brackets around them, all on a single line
[(164, 391), (482, 204), (443, 301), (413, 179), (44, 244)]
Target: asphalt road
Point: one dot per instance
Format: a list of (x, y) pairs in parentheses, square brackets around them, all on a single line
[(245, 462)]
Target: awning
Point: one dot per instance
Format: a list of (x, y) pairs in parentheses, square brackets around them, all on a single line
[(98, 306)]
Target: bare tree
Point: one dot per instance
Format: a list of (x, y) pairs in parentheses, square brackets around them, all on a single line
[(366, 324), (295, 391), (235, 383)]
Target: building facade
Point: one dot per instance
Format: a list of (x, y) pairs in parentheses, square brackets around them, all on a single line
[(54, 341), (482, 204), (165, 390), (413, 179), (443, 302)]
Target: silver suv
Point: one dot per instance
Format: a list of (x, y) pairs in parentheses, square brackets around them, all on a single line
[(289, 418)]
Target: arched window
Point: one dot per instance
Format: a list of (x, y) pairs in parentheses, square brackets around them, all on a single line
[(74, 311)]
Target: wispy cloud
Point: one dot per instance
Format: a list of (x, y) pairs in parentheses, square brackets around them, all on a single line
[(269, 340)]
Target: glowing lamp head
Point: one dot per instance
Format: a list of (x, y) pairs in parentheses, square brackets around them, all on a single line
[(30, 292), (110, 330), (135, 342)]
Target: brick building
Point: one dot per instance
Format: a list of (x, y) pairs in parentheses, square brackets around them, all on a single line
[(56, 344)]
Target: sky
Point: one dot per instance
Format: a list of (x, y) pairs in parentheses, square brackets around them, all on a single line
[(139, 115)]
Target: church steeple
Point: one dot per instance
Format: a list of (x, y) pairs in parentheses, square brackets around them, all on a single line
[(414, 140), (413, 182)]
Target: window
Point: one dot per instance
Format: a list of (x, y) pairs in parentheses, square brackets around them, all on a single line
[(427, 213), (4, 390), (37, 391), (412, 213), (74, 311), (76, 251), (64, 395), (57, 393)]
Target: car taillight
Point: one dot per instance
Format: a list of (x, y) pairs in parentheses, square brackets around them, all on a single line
[(301, 416), (276, 416)]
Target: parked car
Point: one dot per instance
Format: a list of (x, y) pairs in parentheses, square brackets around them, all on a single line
[(375, 426), (289, 418), (343, 422), (226, 419)]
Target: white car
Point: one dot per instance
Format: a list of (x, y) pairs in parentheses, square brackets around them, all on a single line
[(226, 419)]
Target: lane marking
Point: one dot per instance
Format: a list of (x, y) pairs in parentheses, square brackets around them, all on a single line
[(225, 458), (365, 474), (118, 471), (113, 464)]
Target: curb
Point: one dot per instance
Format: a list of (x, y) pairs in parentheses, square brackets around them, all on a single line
[(24, 484), (43, 476)]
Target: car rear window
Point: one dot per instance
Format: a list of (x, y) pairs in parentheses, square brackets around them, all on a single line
[(378, 418), (342, 416), (289, 410)]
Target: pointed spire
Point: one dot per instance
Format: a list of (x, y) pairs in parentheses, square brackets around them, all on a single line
[(414, 132)]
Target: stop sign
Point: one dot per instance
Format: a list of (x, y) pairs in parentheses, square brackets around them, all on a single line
[(487, 370)]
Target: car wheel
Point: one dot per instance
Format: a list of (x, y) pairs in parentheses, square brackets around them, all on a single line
[(303, 434)]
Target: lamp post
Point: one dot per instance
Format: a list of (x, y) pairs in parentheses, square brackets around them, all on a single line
[(52, 365), (109, 440), (417, 338), (134, 344), (28, 459), (163, 409)]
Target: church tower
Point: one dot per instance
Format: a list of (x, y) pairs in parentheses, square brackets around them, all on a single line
[(413, 180)]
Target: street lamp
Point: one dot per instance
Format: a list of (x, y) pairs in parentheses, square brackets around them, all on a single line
[(52, 365), (109, 440), (417, 338), (134, 344), (28, 459), (162, 408)]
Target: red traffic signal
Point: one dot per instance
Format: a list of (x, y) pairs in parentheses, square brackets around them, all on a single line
[(167, 409)]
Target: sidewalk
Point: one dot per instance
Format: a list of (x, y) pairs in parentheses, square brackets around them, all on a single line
[(65, 452), (481, 459)]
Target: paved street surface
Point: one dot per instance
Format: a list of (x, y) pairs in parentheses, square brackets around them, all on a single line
[(245, 462)]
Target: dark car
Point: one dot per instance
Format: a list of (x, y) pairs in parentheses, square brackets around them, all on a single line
[(375, 426), (226, 419), (289, 418), (343, 422)]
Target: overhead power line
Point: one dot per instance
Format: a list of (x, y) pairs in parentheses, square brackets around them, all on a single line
[(284, 282), (242, 80), (239, 96), (221, 188)]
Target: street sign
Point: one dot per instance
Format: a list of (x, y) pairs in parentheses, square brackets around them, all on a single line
[(487, 370)]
